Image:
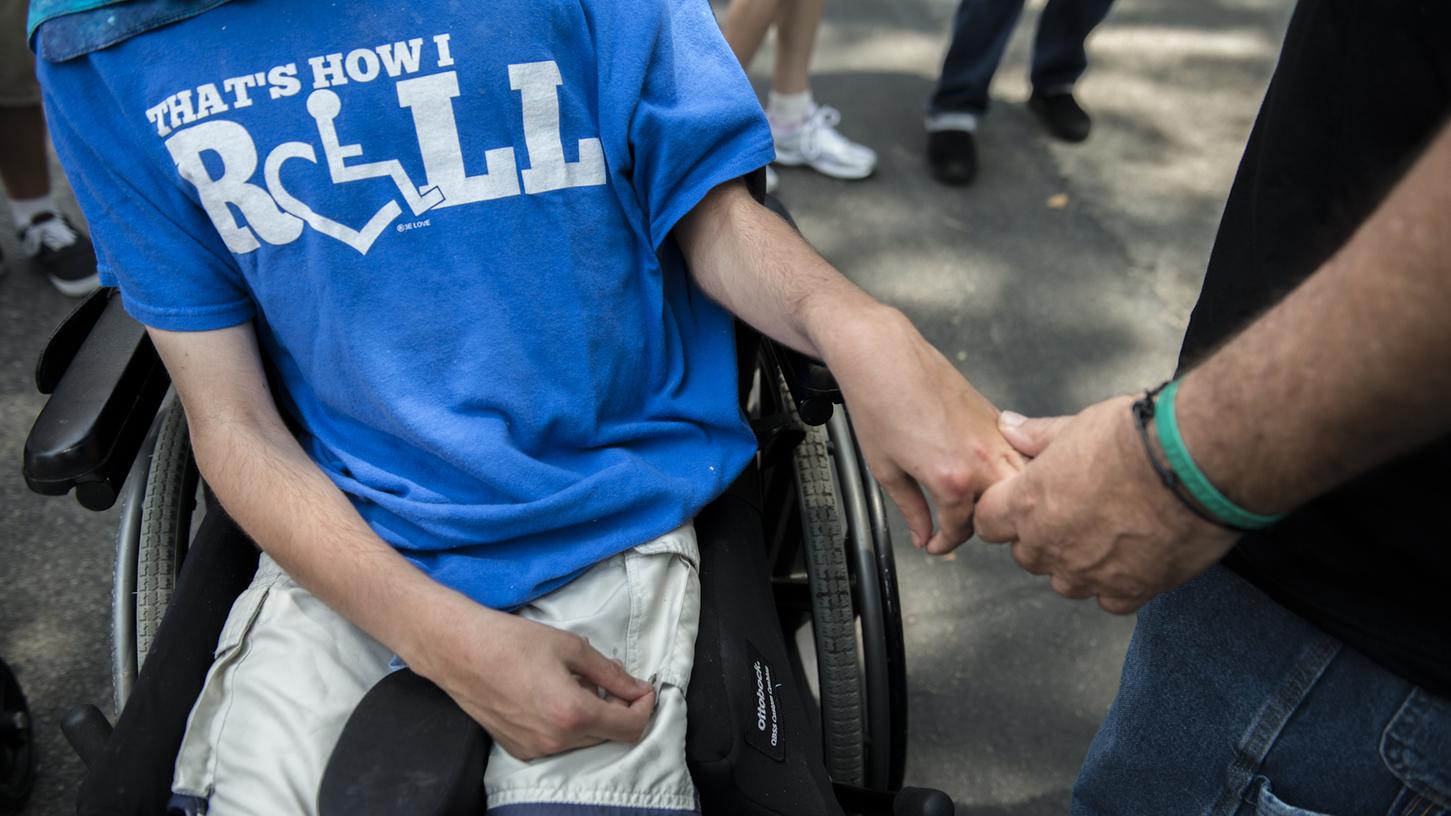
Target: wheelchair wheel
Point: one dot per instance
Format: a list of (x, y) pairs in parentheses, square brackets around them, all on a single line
[(165, 523), (810, 570), (877, 607), (833, 623), (159, 497)]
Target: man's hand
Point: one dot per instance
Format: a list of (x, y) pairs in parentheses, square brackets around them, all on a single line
[(1090, 512), (537, 690), (922, 427), (1310, 379), (914, 413)]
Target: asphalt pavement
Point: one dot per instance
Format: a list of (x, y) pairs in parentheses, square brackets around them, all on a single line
[(1064, 275)]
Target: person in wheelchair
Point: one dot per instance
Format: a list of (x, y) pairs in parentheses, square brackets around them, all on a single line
[(483, 261)]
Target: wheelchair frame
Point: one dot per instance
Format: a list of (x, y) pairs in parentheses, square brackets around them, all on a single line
[(157, 499)]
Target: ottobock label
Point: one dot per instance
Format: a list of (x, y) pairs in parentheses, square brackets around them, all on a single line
[(764, 732)]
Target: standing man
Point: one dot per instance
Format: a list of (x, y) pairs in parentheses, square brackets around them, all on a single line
[(979, 37), (1305, 442), (51, 242)]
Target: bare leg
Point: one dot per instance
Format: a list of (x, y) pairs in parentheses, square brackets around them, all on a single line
[(745, 25), (795, 40), (24, 166), (801, 136), (53, 245)]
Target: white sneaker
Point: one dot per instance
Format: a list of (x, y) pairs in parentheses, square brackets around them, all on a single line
[(772, 180), (817, 143)]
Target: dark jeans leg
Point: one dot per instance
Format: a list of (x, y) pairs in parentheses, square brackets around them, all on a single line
[(979, 35), (1059, 58), (1230, 705)]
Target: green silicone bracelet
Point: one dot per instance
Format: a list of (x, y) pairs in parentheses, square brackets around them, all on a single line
[(1192, 477)]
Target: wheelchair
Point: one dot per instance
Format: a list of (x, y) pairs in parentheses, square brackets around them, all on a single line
[(797, 574)]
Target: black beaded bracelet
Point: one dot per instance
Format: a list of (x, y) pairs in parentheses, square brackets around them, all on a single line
[(1143, 414)]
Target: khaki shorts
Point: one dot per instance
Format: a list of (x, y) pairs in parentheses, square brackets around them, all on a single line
[(289, 671), (17, 65)]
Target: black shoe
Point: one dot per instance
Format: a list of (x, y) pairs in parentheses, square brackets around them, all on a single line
[(952, 155), (62, 252), (17, 760), (1061, 114)]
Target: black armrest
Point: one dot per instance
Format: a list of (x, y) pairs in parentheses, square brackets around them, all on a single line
[(105, 391), (68, 338), (812, 387)]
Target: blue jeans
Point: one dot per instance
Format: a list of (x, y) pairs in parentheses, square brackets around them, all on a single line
[(1230, 705), (980, 35)]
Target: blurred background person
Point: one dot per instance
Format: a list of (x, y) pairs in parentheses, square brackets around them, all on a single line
[(53, 245), (805, 133), (979, 36)]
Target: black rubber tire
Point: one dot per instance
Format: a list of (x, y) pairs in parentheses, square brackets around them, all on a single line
[(833, 623), (17, 747), (165, 525)]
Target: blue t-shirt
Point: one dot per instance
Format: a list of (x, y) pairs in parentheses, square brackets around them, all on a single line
[(450, 223)]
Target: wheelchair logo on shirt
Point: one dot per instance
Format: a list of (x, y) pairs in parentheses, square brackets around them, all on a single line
[(276, 216)]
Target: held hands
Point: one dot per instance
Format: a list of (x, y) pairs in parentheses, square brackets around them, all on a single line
[(1090, 512), (912, 411), (537, 690)]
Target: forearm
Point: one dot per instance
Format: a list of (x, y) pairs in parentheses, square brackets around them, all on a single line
[(548, 700), (924, 431), (758, 267), (1350, 370), (293, 511)]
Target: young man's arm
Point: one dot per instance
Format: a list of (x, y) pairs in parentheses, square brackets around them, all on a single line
[(913, 411), (514, 676), (1350, 370)]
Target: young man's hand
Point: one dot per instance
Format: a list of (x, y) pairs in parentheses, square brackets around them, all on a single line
[(1090, 512), (537, 690), (922, 427), (924, 431)]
